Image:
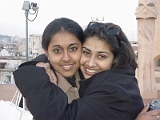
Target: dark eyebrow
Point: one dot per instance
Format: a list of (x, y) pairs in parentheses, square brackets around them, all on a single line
[(73, 44), (86, 48), (69, 45), (103, 52), (98, 51), (56, 46)]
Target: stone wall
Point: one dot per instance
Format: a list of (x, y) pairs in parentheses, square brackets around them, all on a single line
[(156, 42)]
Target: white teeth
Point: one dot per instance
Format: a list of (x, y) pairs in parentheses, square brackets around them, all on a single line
[(91, 71), (67, 66)]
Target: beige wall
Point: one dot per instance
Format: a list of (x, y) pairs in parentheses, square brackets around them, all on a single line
[(35, 44), (156, 43)]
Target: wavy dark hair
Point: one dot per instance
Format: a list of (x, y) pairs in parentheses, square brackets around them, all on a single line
[(113, 35)]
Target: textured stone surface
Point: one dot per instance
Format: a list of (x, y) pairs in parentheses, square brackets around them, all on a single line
[(157, 34), (146, 14)]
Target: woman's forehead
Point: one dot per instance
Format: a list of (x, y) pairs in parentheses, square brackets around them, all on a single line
[(96, 44), (64, 37)]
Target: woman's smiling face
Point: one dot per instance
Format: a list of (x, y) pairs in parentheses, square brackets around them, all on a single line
[(64, 52), (96, 57)]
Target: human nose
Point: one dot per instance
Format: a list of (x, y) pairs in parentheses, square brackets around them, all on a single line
[(66, 56), (91, 62)]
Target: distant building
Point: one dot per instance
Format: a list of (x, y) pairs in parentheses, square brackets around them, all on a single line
[(34, 45), (21, 48), (4, 52), (7, 65)]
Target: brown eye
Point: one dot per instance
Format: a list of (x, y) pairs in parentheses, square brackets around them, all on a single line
[(102, 56), (73, 48), (85, 53), (57, 50)]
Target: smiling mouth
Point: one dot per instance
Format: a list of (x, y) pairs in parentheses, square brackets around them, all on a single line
[(67, 67), (91, 72)]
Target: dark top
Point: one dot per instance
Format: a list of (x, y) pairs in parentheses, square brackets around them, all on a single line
[(108, 95), (40, 58)]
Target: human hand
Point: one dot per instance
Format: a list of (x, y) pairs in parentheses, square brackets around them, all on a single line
[(50, 73), (150, 115)]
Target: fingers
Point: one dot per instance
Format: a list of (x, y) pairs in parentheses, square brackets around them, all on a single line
[(144, 109), (42, 64), (47, 66), (158, 117), (52, 76), (50, 73), (154, 113), (150, 115)]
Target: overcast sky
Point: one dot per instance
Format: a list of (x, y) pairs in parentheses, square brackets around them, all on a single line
[(121, 12)]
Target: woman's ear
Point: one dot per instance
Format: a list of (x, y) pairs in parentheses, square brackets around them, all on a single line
[(46, 53)]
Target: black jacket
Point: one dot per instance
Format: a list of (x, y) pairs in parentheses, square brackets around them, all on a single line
[(40, 58), (109, 95)]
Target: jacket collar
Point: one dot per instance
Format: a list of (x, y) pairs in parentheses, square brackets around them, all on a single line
[(64, 84), (84, 83)]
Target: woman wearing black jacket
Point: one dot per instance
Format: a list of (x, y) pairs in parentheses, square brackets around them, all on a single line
[(112, 94)]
